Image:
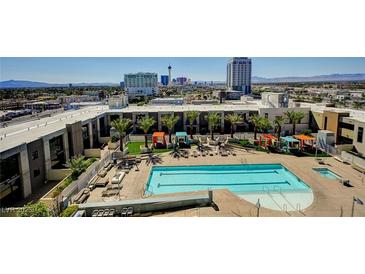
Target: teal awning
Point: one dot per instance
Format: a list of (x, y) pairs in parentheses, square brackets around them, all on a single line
[(289, 139), (181, 134)]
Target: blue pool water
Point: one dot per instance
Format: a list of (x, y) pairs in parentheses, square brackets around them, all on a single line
[(325, 172), (237, 178)]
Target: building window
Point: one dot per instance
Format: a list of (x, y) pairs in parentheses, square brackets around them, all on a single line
[(36, 172), (360, 134), (266, 115), (35, 155)]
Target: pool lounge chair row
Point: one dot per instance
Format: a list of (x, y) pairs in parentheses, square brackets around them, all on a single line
[(108, 212), (127, 211)]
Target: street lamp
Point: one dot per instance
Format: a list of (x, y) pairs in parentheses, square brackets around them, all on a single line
[(357, 201), (258, 205)]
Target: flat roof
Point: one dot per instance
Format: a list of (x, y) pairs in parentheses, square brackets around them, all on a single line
[(27, 132)]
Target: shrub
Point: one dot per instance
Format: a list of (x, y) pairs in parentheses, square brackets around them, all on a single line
[(61, 187), (38, 209), (69, 211)]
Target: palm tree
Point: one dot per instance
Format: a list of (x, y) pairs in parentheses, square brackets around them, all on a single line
[(170, 121), (278, 123), (294, 117), (192, 116), (213, 119), (234, 119), (265, 125), (77, 165), (121, 125), (256, 121), (145, 124)]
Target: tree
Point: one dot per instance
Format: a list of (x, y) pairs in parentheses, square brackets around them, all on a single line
[(145, 124), (213, 119), (77, 165), (256, 120), (170, 121), (192, 116), (38, 209), (294, 117), (278, 123), (121, 125), (356, 105), (233, 119), (265, 125)]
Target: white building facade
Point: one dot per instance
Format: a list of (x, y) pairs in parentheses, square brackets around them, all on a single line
[(141, 84), (239, 74)]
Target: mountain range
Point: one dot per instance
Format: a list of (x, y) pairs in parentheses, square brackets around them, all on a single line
[(317, 78), (32, 84), (255, 80)]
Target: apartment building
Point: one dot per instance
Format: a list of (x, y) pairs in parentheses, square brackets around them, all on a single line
[(141, 84)]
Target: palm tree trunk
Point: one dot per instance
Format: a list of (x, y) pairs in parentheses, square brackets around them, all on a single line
[(170, 141), (293, 128), (121, 143), (145, 141), (211, 132), (232, 131), (279, 132), (255, 133), (191, 131)]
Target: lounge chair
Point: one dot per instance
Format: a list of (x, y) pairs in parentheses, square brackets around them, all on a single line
[(233, 153), (100, 213), (124, 212), (95, 213), (211, 153), (224, 152), (129, 211), (111, 212), (195, 153), (106, 213), (320, 161)]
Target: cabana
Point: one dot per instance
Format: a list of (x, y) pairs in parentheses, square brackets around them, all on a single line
[(304, 139), (289, 142), (182, 139), (269, 139), (158, 140)]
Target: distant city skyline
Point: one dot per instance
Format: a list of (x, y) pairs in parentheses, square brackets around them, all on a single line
[(112, 70)]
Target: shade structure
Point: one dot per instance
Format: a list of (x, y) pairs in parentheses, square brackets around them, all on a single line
[(268, 138), (181, 138), (304, 139), (289, 142), (158, 139)]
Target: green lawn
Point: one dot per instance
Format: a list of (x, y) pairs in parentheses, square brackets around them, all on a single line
[(134, 148)]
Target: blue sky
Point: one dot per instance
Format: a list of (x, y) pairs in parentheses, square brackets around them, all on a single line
[(94, 69)]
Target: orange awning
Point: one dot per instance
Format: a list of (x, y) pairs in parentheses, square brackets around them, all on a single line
[(303, 137), (158, 134)]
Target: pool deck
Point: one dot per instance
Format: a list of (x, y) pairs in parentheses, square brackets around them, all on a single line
[(329, 195)]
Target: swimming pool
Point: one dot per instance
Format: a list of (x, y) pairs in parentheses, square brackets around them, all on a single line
[(325, 172), (240, 179)]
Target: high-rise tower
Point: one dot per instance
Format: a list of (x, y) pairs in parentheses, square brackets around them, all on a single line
[(170, 79), (239, 74)]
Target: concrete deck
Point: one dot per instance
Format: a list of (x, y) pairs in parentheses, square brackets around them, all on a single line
[(329, 195)]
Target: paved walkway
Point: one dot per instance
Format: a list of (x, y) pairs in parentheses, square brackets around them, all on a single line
[(330, 197)]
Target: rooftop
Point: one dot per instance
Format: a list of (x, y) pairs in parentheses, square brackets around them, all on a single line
[(30, 131)]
